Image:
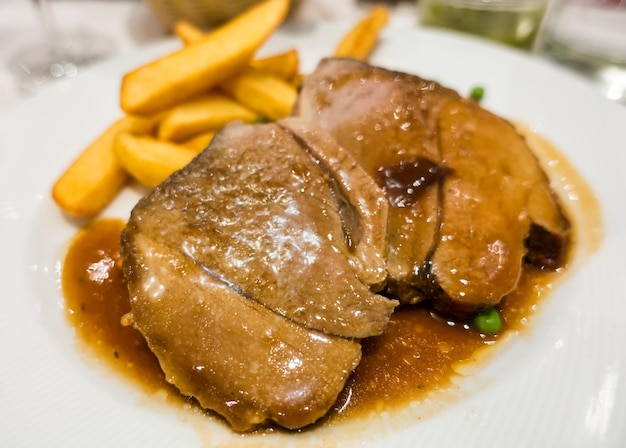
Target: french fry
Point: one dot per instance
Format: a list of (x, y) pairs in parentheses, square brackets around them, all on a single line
[(200, 141), (209, 112), (187, 32), (196, 68), (359, 42), (96, 176), (148, 159), (282, 65), (221, 59), (265, 94)]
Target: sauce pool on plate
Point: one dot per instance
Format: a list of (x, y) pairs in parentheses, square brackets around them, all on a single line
[(414, 357)]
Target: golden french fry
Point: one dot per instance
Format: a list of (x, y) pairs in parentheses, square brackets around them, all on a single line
[(359, 42), (265, 94), (96, 176), (282, 65), (200, 141), (187, 32), (209, 112), (148, 159), (194, 69)]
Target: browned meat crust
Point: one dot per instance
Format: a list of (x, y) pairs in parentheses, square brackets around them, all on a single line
[(459, 234), (242, 279)]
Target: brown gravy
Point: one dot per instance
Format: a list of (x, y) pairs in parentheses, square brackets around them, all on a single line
[(416, 356), (413, 357), (96, 298)]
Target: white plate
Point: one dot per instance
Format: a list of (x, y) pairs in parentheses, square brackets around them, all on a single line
[(562, 383)]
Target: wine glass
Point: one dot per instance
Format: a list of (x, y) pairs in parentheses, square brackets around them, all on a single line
[(56, 54)]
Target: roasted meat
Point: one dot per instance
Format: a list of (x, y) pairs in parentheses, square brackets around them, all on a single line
[(494, 192), (251, 272), (469, 201), (255, 271), (388, 122)]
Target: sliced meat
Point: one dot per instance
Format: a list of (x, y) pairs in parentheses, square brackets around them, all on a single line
[(486, 201), (469, 202), (243, 281), (257, 212), (233, 355), (385, 120), (363, 205)]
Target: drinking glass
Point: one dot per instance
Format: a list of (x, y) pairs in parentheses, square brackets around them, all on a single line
[(55, 54), (590, 37), (513, 22)]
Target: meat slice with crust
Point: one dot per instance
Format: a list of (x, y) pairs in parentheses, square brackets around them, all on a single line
[(495, 190), (233, 355), (387, 121), (242, 278), (469, 201)]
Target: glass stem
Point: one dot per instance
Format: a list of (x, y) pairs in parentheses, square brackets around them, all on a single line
[(54, 38), (45, 14)]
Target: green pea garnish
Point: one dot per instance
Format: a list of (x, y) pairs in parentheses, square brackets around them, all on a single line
[(488, 321), (477, 94)]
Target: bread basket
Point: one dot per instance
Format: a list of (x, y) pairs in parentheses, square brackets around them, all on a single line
[(202, 13)]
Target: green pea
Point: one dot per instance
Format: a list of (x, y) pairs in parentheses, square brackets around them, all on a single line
[(488, 321), (477, 93)]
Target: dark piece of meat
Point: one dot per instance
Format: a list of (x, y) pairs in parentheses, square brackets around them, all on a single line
[(242, 279), (469, 201), (548, 237)]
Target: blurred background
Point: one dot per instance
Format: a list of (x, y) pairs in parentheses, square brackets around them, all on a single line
[(588, 36)]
